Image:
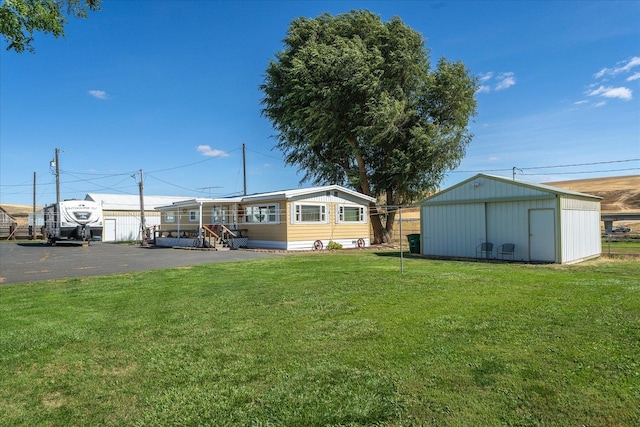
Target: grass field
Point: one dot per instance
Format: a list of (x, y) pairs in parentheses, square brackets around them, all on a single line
[(327, 339)]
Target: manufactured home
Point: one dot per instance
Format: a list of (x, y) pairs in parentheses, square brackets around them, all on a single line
[(494, 217), (299, 219)]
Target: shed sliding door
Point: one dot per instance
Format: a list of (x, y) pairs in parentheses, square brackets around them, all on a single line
[(453, 230)]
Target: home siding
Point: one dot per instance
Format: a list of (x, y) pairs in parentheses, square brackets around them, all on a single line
[(303, 236), (267, 235)]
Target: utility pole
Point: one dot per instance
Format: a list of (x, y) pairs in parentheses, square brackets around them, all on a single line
[(244, 169), (142, 221), (33, 224), (57, 176)]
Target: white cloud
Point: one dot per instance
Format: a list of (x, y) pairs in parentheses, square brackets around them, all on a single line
[(486, 76), (580, 102), (633, 77), (505, 81), (493, 159), (206, 150), (602, 73), (612, 92), (615, 76), (492, 82), (622, 67), (100, 94)]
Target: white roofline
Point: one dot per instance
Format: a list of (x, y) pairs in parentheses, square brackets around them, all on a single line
[(541, 187), (283, 194), (288, 194)]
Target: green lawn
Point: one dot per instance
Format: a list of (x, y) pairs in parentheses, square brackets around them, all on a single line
[(321, 339)]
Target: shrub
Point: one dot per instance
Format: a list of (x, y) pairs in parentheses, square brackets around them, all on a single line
[(334, 245)]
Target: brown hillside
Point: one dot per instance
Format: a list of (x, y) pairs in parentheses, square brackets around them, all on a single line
[(619, 193), (19, 210), (20, 214)]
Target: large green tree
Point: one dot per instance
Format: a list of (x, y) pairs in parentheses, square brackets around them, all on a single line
[(19, 19), (354, 102)]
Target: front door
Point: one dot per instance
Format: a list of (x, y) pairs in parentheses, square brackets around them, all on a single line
[(110, 230), (542, 235)]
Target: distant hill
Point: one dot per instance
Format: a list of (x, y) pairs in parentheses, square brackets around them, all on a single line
[(619, 193), (17, 211)]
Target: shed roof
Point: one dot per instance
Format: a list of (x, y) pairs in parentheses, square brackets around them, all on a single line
[(130, 202), (530, 185)]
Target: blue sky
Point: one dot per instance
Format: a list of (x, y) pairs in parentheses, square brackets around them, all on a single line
[(172, 88)]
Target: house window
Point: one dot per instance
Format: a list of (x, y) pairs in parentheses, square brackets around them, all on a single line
[(310, 214), (261, 214), (170, 216), (219, 215), (194, 216), (351, 214)]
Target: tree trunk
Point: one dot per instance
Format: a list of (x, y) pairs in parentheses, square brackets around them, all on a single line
[(380, 234), (391, 217)]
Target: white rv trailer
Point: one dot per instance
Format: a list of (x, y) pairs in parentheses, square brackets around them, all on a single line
[(73, 220)]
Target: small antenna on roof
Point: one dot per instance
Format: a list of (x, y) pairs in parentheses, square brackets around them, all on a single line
[(209, 188)]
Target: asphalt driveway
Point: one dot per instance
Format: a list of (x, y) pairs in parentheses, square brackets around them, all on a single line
[(28, 262)]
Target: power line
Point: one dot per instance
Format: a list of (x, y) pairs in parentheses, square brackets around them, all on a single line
[(548, 167), (578, 173), (194, 163), (584, 164), (266, 155), (171, 184)]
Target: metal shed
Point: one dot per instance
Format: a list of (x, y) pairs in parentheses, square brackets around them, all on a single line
[(121, 214), (543, 223)]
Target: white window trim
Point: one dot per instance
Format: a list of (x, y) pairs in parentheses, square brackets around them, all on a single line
[(194, 215), (173, 216), (276, 207), (340, 214), (296, 213), (218, 212)]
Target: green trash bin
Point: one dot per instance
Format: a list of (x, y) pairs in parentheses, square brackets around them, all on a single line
[(414, 243)]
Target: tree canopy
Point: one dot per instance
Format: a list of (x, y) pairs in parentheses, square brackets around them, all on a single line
[(354, 102), (19, 19)]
